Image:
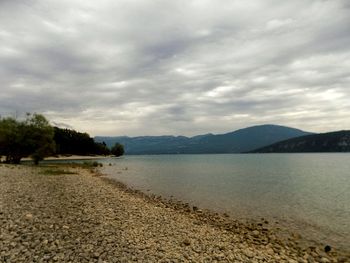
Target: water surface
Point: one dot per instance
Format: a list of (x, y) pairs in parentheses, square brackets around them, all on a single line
[(309, 193)]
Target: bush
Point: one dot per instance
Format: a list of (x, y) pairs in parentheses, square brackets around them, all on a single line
[(117, 150)]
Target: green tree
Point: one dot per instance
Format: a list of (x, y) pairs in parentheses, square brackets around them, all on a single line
[(73, 142), (11, 140), (101, 148), (40, 137), (31, 137), (117, 149)]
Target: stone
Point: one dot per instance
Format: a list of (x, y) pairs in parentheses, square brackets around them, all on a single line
[(91, 220), (256, 233), (270, 251), (327, 248), (187, 242), (29, 216), (248, 253)]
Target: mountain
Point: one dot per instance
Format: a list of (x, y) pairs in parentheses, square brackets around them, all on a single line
[(325, 142), (242, 140)]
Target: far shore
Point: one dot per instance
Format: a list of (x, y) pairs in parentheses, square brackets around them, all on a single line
[(67, 157), (72, 157), (68, 213)]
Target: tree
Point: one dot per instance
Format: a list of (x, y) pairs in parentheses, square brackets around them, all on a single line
[(101, 148), (117, 149), (11, 139), (40, 137), (31, 137), (73, 142)]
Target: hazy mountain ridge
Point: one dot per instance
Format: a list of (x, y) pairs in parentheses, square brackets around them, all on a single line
[(338, 141), (241, 140)]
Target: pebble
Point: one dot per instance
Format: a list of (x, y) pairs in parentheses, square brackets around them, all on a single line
[(324, 260), (248, 253), (84, 218), (270, 251), (256, 233), (187, 242), (29, 216)]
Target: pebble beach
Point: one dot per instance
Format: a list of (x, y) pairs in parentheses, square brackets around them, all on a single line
[(73, 214)]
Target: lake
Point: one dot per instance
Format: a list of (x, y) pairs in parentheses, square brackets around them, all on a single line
[(308, 193)]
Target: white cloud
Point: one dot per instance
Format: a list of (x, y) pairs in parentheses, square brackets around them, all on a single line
[(177, 67)]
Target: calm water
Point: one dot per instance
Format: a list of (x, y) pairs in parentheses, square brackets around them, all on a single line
[(309, 193)]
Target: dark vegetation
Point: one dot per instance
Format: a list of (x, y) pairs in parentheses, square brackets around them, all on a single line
[(117, 150), (73, 142), (89, 164), (242, 140), (56, 171), (325, 142), (30, 137), (34, 137)]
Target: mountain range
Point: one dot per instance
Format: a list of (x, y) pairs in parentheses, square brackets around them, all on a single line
[(242, 140), (324, 142)]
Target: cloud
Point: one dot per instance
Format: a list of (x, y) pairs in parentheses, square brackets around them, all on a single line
[(177, 67)]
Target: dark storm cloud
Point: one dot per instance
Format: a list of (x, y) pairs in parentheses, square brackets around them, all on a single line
[(177, 67)]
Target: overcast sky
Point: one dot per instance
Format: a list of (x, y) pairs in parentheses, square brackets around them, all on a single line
[(186, 67)]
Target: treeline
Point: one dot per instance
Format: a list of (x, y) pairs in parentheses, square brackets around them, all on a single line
[(34, 137), (73, 142)]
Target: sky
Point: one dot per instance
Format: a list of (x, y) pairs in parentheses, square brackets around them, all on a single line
[(186, 67)]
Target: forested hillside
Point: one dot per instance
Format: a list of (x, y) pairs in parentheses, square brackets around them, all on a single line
[(234, 142), (325, 142)]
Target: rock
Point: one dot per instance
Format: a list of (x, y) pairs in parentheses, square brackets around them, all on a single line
[(270, 251), (219, 256), (187, 242), (248, 253), (327, 248), (256, 233), (324, 260), (29, 216), (91, 220)]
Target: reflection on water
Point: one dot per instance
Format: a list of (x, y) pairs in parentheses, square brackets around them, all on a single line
[(308, 191)]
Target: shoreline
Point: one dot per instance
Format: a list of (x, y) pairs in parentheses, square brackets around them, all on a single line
[(281, 226), (69, 157), (250, 242), (66, 157), (228, 222)]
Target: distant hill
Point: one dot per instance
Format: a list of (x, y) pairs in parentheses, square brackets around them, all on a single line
[(242, 140), (325, 142)]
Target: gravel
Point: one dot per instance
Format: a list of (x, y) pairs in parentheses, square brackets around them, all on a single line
[(82, 217)]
